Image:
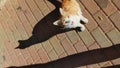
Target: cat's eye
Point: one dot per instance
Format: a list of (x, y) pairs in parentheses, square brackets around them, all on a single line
[(67, 21), (68, 16)]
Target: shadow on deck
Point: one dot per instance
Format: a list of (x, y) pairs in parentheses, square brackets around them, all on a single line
[(84, 58), (44, 29)]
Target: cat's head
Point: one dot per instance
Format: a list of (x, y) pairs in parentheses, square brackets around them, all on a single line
[(66, 20)]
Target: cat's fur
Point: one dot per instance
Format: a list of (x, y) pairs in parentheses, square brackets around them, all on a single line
[(71, 15)]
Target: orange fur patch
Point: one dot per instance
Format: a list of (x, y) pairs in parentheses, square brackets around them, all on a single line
[(71, 7)]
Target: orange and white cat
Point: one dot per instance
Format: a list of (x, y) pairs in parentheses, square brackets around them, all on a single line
[(71, 15)]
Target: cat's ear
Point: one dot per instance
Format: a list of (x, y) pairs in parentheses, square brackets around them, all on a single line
[(62, 12), (57, 23)]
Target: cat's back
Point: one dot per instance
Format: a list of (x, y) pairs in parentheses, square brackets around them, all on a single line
[(71, 6)]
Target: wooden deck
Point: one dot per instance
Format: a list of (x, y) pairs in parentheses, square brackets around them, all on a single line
[(29, 40)]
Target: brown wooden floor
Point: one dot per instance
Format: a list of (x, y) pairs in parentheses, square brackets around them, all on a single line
[(29, 40)]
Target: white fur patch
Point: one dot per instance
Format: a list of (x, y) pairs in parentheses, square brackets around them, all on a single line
[(75, 20)]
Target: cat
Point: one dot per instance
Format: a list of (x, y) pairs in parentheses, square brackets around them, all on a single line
[(71, 15)]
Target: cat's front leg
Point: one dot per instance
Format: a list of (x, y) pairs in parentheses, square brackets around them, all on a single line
[(85, 20)]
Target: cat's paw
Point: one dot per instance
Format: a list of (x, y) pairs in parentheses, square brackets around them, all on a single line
[(85, 20), (80, 28)]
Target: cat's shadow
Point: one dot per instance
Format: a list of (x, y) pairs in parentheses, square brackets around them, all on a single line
[(44, 29)]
